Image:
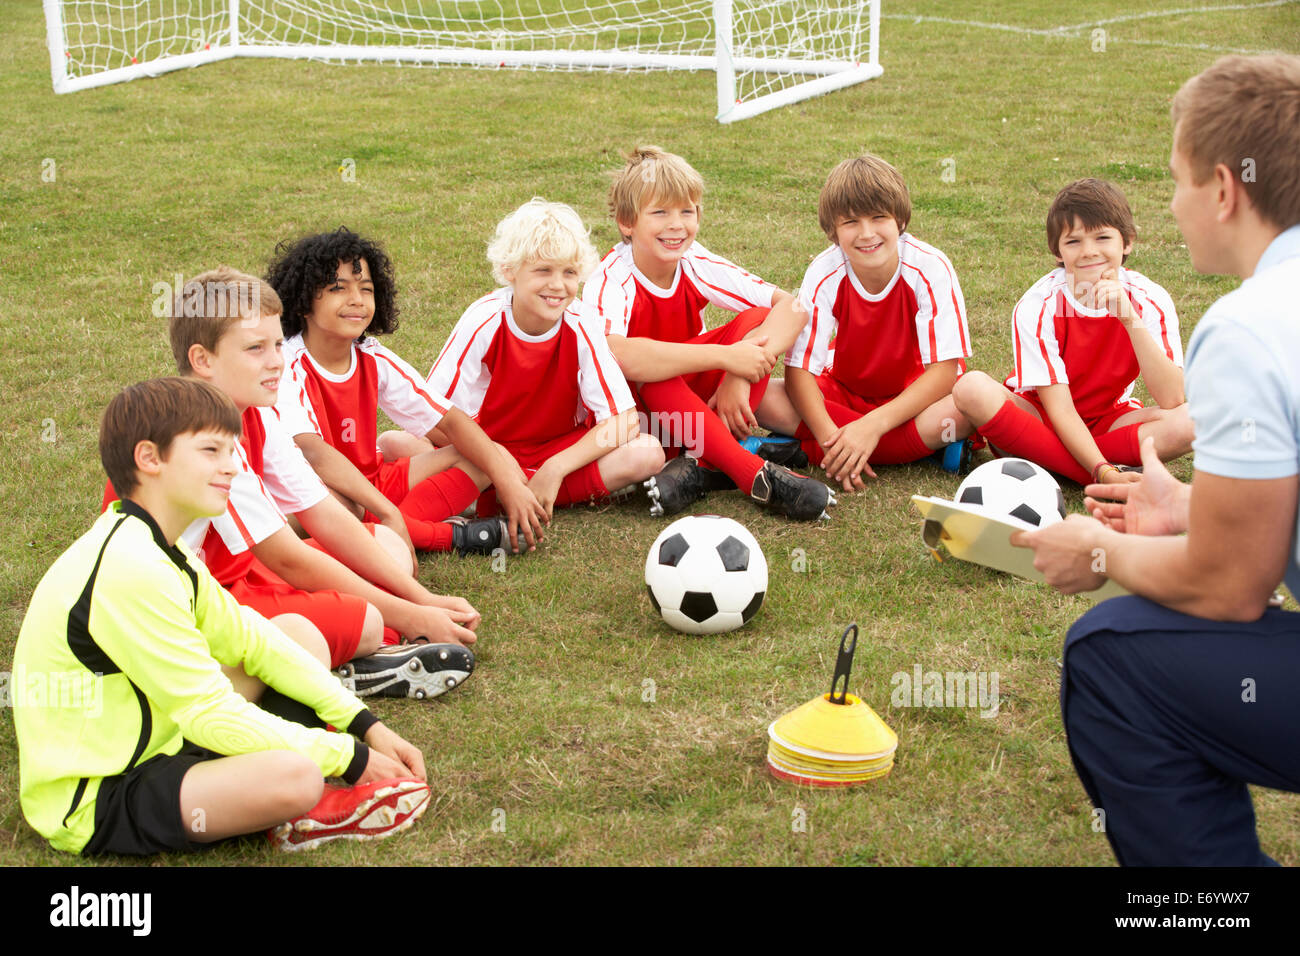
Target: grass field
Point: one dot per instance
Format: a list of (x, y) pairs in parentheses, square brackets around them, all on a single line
[(554, 752)]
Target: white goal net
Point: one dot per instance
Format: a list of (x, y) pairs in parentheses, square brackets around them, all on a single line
[(766, 52)]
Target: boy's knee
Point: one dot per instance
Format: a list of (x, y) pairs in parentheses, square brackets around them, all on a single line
[(968, 390), (305, 634), (301, 785), (372, 632), (394, 547), (648, 454)]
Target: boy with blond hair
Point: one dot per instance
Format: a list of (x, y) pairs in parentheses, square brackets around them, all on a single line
[(158, 752), (1083, 334), (872, 372), (538, 378), (705, 389)]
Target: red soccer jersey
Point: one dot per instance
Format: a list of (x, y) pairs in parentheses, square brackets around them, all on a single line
[(528, 389), (877, 345), (626, 303), (1059, 341), (343, 409)]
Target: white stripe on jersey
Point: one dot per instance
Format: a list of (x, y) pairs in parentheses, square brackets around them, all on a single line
[(941, 307), (1033, 328), (611, 289), (286, 475)]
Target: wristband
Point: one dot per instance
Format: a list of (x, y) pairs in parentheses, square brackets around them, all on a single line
[(1098, 472)]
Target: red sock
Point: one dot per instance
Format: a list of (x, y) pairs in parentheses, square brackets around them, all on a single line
[(391, 636), (901, 445), (431, 502), (582, 486), (1018, 433), (440, 496), (1122, 445), (682, 411)]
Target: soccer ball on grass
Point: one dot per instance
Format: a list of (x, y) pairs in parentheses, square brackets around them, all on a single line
[(1014, 487), (706, 574)]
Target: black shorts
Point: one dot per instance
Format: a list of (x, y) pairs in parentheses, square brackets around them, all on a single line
[(139, 812)]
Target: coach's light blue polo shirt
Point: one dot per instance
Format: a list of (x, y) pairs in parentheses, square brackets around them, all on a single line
[(1243, 378)]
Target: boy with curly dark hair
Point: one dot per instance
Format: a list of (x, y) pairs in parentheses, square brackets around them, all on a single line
[(338, 292)]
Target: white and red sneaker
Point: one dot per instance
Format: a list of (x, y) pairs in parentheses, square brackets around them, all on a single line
[(368, 811)]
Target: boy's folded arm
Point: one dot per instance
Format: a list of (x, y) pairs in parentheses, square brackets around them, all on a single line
[(649, 360), (1163, 379), (344, 536), (599, 441), (801, 387), (340, 475), (142, 619), (1069, 427), (929, 387)]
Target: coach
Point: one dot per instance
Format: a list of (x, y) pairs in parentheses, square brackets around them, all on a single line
[(1176, 699)]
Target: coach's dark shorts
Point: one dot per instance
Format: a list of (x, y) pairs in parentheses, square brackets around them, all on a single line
[(139, 812)]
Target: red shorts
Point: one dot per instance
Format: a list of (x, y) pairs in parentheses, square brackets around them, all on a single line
[(580, 486), (394, 479), (339, 617), (1099, 425)]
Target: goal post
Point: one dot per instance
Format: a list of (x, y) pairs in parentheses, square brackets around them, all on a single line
[(766, 53)]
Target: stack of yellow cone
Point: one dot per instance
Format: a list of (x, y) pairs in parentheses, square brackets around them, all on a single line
[(833, 740), (831, 745)]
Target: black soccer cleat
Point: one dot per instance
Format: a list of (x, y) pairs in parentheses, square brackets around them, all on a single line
[(418, 671), (677, 486), (778, 449), (795, 496), (481, 536)]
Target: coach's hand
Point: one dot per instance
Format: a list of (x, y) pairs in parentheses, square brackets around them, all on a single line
[(1156, 503), (391, 756), (1067, 552)]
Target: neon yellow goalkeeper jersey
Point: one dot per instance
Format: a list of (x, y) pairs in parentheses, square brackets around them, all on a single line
[(119, 659)]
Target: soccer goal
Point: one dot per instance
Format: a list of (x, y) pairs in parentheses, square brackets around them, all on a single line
[(767, 53)]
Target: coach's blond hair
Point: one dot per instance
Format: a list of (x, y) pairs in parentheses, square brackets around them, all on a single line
[(1244, 113), (541, 231), (209, 304), (862, 186), (652, 176)]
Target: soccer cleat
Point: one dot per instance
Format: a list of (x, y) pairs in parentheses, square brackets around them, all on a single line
[(778, 449), (418, 671), (677, 486), (795, 496), (481, 536), (368, 811), (955, 456)]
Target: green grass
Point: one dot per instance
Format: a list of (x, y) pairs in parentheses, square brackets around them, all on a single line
[(552, 737)]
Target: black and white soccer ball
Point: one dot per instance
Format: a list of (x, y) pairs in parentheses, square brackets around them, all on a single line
[(1014, 487), (706, 574)]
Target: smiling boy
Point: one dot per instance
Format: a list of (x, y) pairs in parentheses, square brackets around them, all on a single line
[(169, 756), (702, 389), (536, 377), (871, 372), (1083, 334)]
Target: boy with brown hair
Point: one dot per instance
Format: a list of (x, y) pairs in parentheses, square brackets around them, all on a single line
[(224, 329), (702, 390), (872, 371), (1083, 334), (139, 743), (1177, 700)]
